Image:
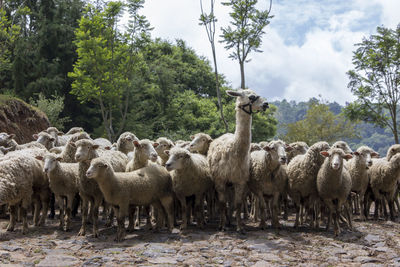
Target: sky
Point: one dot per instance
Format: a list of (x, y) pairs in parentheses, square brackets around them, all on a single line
[(306, 49)]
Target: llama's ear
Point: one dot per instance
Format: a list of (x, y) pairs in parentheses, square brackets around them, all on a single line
[(234, 93), (324, 153)]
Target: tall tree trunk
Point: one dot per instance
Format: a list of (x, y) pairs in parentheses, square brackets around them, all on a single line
[(394, 120), (242, 81)]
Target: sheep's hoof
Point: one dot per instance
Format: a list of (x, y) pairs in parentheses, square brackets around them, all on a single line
[(10, 228), (24, 230), (95, 233), (82, 232)]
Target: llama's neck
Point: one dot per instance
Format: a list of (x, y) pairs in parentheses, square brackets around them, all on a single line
[(243, 128)]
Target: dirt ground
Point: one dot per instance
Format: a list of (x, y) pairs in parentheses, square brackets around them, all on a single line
[(371, 243)]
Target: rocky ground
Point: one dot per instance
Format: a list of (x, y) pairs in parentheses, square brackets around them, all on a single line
[(370, 243)]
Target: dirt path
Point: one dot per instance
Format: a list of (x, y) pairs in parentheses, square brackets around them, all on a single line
[(370, 243)]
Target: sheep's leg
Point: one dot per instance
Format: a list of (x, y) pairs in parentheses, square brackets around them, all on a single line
[(52, 206), (24, 211), (362, 206), (96, 205), (302, 205), (262, 206), (110, 217), (45, 199), (60, 202), (331, 209), (317, 210), (158, 208), (275, 210), (68, 212), (239, 191), (336, 218), (168, 205), (75, 205), (391, 206), (36, 213), (297, 207), (84, 208), (198, 211), (245, 207), (285, 206), (348, 214), (122, 210), (131, 218), (13, 217), (182, 201)]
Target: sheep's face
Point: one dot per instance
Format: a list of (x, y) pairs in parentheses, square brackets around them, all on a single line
[(393, 150), (50, 162), (163, 145), (126, 141), (177, 158), (54, 132), (255, 147), (336, 156), (200, 142), (365, 155), (96, 168), (45, 139), (298, 149), (272, 152), (146, 149), (395, 161), (343, 145), (84, 149), (74, 130), (281, 148), (246, 97), (5, 138)]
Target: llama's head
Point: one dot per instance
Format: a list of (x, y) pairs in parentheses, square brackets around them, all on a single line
[(248, 100)]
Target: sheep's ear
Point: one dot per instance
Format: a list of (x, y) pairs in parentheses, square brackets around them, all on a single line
[(11, 136), (59, 158), (166, 152), (375, 154), (324, 153), (52, 139), (105, 166), (107, 148), (288, 148), (35, 136), (39, 158), (348, 156), (192, 137), (267, 148), (72, 144), (234, 93), (136, 143), (59, 133), (356, 153), (156, 144), (128, 138), (95, 146), (210, 140)]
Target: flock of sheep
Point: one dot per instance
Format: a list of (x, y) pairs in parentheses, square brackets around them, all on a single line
[(228, 176)]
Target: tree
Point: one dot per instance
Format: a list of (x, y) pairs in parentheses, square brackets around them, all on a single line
[(320, 124), (247, 29), (209, 20), (375, 80)]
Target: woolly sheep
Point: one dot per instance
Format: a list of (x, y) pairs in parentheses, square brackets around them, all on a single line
[(54, 132), (383, 180), (63, 139), (299, 148), (125, 142), (334, 185), (190, 176), (63, 182), (103, 143), (89, 191), (302, 174), (229, 154), (358, 169), (343, 145), (149, 185), (200, 143), (255, 147), (164, 144), (9, 144), (144, 151), (268, 178)]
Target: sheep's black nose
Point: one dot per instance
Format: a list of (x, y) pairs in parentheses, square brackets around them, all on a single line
[(265, 105)]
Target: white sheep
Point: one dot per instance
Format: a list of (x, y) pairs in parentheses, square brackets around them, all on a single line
[(229, 155), (144, 151), (342, 145), (63, 182), (89, 190), (302, 175), (63, 138), (149, 185), (200, 143), (334, 185), (125, 142), (190, 176), (164, 144), (7, 141), (103, 143), (299, 148)]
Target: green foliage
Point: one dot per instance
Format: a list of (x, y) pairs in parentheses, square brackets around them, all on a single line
[(375, 81), (52, 107), (320, 124)]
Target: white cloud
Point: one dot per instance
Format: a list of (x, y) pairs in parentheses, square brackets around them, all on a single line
[(307, 48)]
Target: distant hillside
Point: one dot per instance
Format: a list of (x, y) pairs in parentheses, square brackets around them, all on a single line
[(21, 119), (379, 139)]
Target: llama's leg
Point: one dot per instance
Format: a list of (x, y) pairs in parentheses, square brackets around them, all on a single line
[(239, 191)]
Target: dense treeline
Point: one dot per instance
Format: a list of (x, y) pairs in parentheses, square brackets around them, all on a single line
[(49, 56)]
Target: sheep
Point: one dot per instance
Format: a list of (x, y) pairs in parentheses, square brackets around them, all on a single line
[(343, 145), (268, 178), (63, 183), (334, 185), (149, 185), (255, 147), (63, 139), (16, 183), (54, 132), (200, 143), (9, 144), (75, 130), (302, 174), (89, 191), (40, 184), (190, 176), (125, 142), (182, 143), (299, 148), (164, 144), (69, 150), (144, 151), (383, 180), (229, 154), (358, 169), (103, 143)]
